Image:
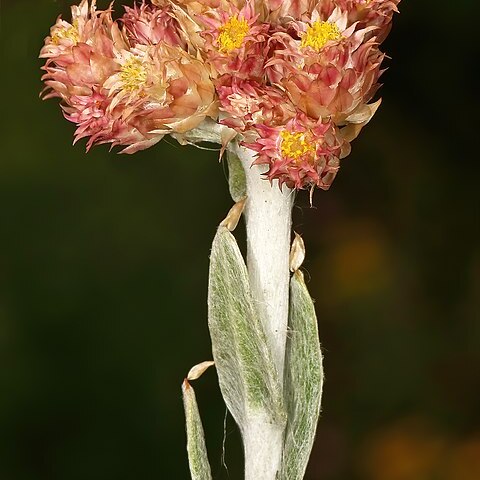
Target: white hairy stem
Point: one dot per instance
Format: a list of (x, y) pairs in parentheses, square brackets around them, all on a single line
[(268, 213), (263, 446)]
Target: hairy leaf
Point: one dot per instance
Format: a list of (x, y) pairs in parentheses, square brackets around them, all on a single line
[(303, 380), (247, 375), (197, 450)]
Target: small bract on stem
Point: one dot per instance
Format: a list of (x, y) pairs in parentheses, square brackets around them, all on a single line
[(284, 86)]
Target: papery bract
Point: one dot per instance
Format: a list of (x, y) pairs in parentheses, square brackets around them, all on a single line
[(249, 103), (376, 13), (146, 24)]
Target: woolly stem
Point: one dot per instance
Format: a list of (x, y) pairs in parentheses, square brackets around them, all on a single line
[(268, 212)]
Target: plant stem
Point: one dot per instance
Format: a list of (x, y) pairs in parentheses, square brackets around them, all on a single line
[(268, 213)]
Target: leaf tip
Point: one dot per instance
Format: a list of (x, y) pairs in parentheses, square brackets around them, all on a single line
[(185, 385), (231, 220), (198, 370), (297, 253)]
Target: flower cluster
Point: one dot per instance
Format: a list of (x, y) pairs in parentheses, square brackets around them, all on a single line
[(291, 79)]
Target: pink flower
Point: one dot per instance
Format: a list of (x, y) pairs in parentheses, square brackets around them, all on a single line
[(164, 84), (304, 153), (95, 121), (249, 103), (291, 79), (234, 42), (123, 93), (64, 35), (326, 67), (149, 25), (81, 55)]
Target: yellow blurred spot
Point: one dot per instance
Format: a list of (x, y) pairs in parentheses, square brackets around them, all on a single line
[(360, 264), (319, 33), (232, 34), (464, 462), (409, 450)]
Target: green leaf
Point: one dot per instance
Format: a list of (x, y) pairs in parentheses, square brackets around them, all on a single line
[(247, 375), (303, 380), (236, 177), (197, 450)]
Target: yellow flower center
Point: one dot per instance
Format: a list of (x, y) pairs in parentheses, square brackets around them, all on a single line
[(232, 34), (70, 33), (296, 144), (133, 74), (319, 33)]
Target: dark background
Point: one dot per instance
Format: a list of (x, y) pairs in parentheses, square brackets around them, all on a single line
[(103, 276)]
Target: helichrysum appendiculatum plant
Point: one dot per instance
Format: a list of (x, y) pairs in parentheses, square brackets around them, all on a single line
[(283, 87)]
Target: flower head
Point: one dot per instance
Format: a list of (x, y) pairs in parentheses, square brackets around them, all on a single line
[(292, 79), (147, 24), (126, 92), (230, 38), (330, 69), (301, 154), (247, 103)]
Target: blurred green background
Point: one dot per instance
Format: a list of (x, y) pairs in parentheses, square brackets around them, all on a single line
[(103, 277)]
